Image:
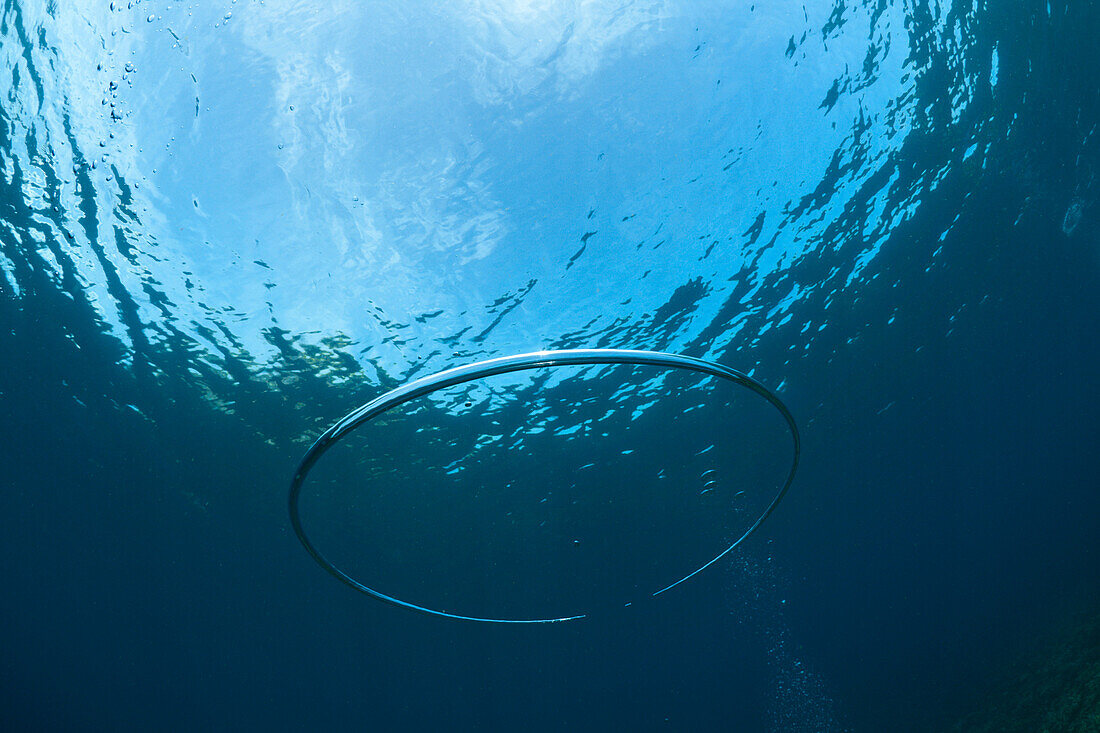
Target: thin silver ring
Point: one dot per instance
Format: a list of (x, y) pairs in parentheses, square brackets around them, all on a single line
[(503, 365)]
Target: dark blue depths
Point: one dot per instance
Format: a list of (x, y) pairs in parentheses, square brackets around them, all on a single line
[(945, 515)]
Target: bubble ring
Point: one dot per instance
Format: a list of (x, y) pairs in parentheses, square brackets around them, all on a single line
[(503, 365)]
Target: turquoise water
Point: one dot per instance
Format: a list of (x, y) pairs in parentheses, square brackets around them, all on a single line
[(225, 225)]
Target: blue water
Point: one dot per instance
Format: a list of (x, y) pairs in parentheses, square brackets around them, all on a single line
[(224, 225)]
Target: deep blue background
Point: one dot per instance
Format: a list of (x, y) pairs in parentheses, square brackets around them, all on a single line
[(944, 516)]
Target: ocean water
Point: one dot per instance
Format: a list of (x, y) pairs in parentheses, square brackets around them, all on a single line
[(224, 225)]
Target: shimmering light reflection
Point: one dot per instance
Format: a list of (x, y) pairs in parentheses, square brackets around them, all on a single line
[(408, 184)]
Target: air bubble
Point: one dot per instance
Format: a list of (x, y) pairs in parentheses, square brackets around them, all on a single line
[(504, 365)]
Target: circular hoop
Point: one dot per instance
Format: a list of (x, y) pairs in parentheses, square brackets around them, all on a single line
[(503, 365)]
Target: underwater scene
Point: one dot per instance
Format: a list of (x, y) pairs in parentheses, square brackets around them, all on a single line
[(577, 365)]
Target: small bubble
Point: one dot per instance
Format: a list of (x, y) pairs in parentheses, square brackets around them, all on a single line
[(151, 18)]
